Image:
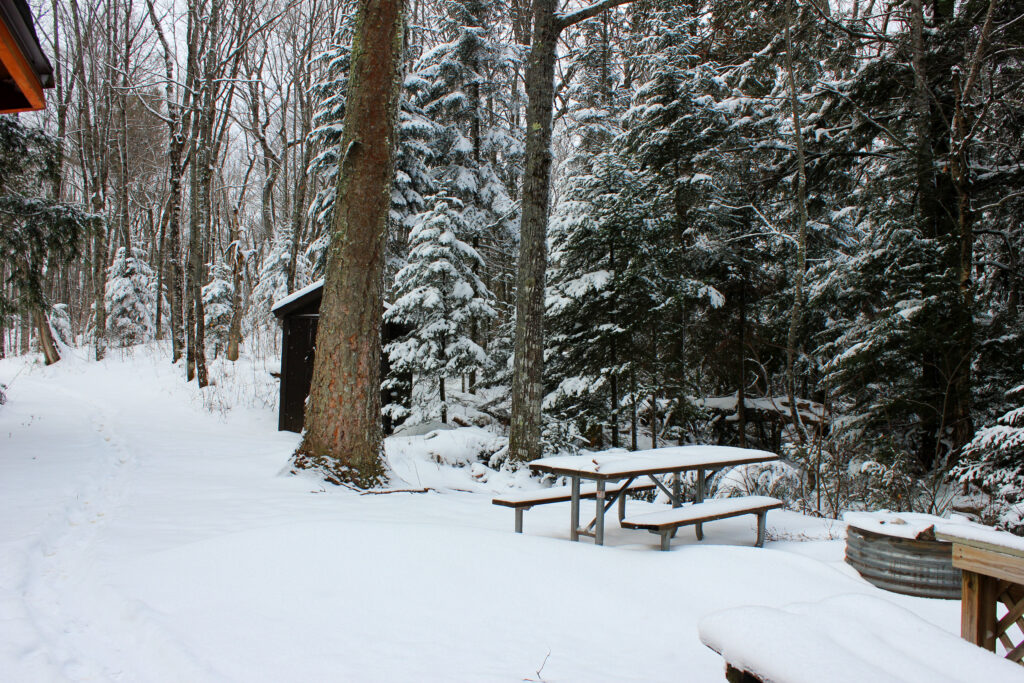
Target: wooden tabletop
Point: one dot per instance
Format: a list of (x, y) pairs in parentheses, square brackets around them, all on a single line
[(615, 466)]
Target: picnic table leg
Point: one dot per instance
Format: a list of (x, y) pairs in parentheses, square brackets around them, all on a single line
[(622, 498), (677, 489), (699, 497), (519, 520), (761, 516), (599, 526), (574, 514)]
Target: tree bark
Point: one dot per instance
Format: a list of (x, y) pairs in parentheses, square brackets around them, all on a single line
[(528, 365), (342, 436), (237, 262), (175, 148), (796, 312), (46, 343), (741, 343)]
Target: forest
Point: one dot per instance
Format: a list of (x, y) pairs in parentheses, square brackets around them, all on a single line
[(793, 226)]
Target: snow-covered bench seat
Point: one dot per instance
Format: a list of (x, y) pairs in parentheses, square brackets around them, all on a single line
[(563, 494), (852, 638), (665, 522)]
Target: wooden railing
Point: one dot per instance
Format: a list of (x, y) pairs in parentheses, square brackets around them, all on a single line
[(992, 573)]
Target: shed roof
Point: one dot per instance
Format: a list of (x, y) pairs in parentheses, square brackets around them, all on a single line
[(298, 298), (301, 298)]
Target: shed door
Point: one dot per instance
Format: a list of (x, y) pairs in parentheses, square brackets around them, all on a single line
[(296, 370)]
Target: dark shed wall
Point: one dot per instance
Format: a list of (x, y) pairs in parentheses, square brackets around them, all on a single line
[(298, 346), (299, 321)]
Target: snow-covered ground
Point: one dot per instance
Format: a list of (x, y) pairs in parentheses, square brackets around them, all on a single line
[(146, 537)]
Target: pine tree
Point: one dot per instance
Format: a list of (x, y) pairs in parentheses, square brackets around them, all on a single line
[(440, 298), (476, 149), (129, 300), (711, 242), (908, 330), (35, 230), (476, 156), (272, 280), (217, 298), (994, 461)]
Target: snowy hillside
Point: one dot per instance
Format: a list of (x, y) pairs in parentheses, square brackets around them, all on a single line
[(148, 537)]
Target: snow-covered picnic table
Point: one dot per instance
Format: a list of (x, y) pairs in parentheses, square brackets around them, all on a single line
[(660, 462)]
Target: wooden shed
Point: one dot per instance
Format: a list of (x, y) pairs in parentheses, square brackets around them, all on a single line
[(24, 69), (299, 314)]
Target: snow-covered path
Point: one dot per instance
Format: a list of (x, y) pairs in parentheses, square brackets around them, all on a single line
[(144, 538)]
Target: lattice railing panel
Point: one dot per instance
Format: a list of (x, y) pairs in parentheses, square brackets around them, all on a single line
[(1012, 596)]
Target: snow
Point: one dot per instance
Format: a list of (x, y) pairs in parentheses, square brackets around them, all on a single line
[(150, 533), (983, 534), (809, 411), (917, 524), (660, 458), (848, 639), (720, 506)]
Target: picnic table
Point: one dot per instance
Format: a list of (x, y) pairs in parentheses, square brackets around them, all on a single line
[(652, 464)]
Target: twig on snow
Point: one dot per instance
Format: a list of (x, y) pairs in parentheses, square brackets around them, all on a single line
[(539, 678), (372, 492)]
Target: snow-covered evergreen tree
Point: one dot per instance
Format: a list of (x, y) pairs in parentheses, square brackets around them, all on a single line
[(440, 298), (994, 461), (476, 157), (272, 280), (129, 300), (217, 297), (476, 149), (60, 323), (37, 233)]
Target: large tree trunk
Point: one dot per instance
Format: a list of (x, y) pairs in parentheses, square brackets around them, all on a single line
[(342, 436), (741, 353), (945, 391), (800, 201), (528, 366), (161, 271)]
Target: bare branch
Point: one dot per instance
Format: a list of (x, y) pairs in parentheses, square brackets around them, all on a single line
[(566, 20)]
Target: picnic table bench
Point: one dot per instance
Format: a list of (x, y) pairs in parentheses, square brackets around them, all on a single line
[(851, 638), (665, 522), (522, 502)]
